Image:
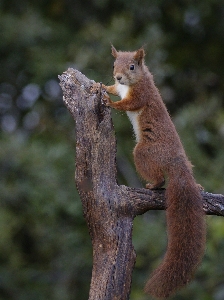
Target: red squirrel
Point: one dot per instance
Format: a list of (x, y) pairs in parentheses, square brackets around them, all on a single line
[(159, 153)]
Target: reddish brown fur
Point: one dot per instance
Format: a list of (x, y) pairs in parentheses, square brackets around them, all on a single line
[(159, 152)]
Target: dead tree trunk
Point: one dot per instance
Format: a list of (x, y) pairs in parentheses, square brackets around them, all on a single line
[(109, 209)]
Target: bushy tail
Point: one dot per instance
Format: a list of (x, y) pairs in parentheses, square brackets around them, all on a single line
[(186, 237)]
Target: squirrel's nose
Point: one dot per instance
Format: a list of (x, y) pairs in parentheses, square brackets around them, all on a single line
[(119, 77)]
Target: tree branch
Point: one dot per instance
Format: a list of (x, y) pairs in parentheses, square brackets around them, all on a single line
[(109, 209)]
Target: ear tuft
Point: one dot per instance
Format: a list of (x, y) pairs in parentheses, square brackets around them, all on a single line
[(139, 55), (113, 51)]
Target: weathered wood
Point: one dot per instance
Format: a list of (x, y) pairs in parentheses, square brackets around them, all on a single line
[(109, 209)]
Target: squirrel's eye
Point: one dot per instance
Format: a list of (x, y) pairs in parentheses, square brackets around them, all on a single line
[(113, 66), (132, 67)]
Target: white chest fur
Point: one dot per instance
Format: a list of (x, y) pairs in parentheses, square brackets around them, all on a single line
[(122, 90), (133, 115)]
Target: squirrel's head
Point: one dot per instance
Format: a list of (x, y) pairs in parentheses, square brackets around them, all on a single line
[(128, 66)]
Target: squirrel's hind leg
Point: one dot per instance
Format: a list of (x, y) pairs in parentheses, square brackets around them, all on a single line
[(148, 167)]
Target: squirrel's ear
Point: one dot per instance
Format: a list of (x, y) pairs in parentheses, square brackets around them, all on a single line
[(113, 51), (139, 55)]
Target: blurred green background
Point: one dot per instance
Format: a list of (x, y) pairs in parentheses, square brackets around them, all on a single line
[(45, 249)]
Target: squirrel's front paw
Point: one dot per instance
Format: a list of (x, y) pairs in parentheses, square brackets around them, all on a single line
[(106, 99), (95, 89), (99, 88)]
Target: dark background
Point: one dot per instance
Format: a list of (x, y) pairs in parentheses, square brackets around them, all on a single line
[(45, 249)]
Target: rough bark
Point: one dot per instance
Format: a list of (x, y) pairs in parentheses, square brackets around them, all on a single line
[(109, 209)]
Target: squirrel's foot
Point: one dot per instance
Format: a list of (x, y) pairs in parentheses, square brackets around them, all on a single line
[(200, 187), (155, 186)]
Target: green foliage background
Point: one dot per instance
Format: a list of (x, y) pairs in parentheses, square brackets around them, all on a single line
[(45, 249)]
